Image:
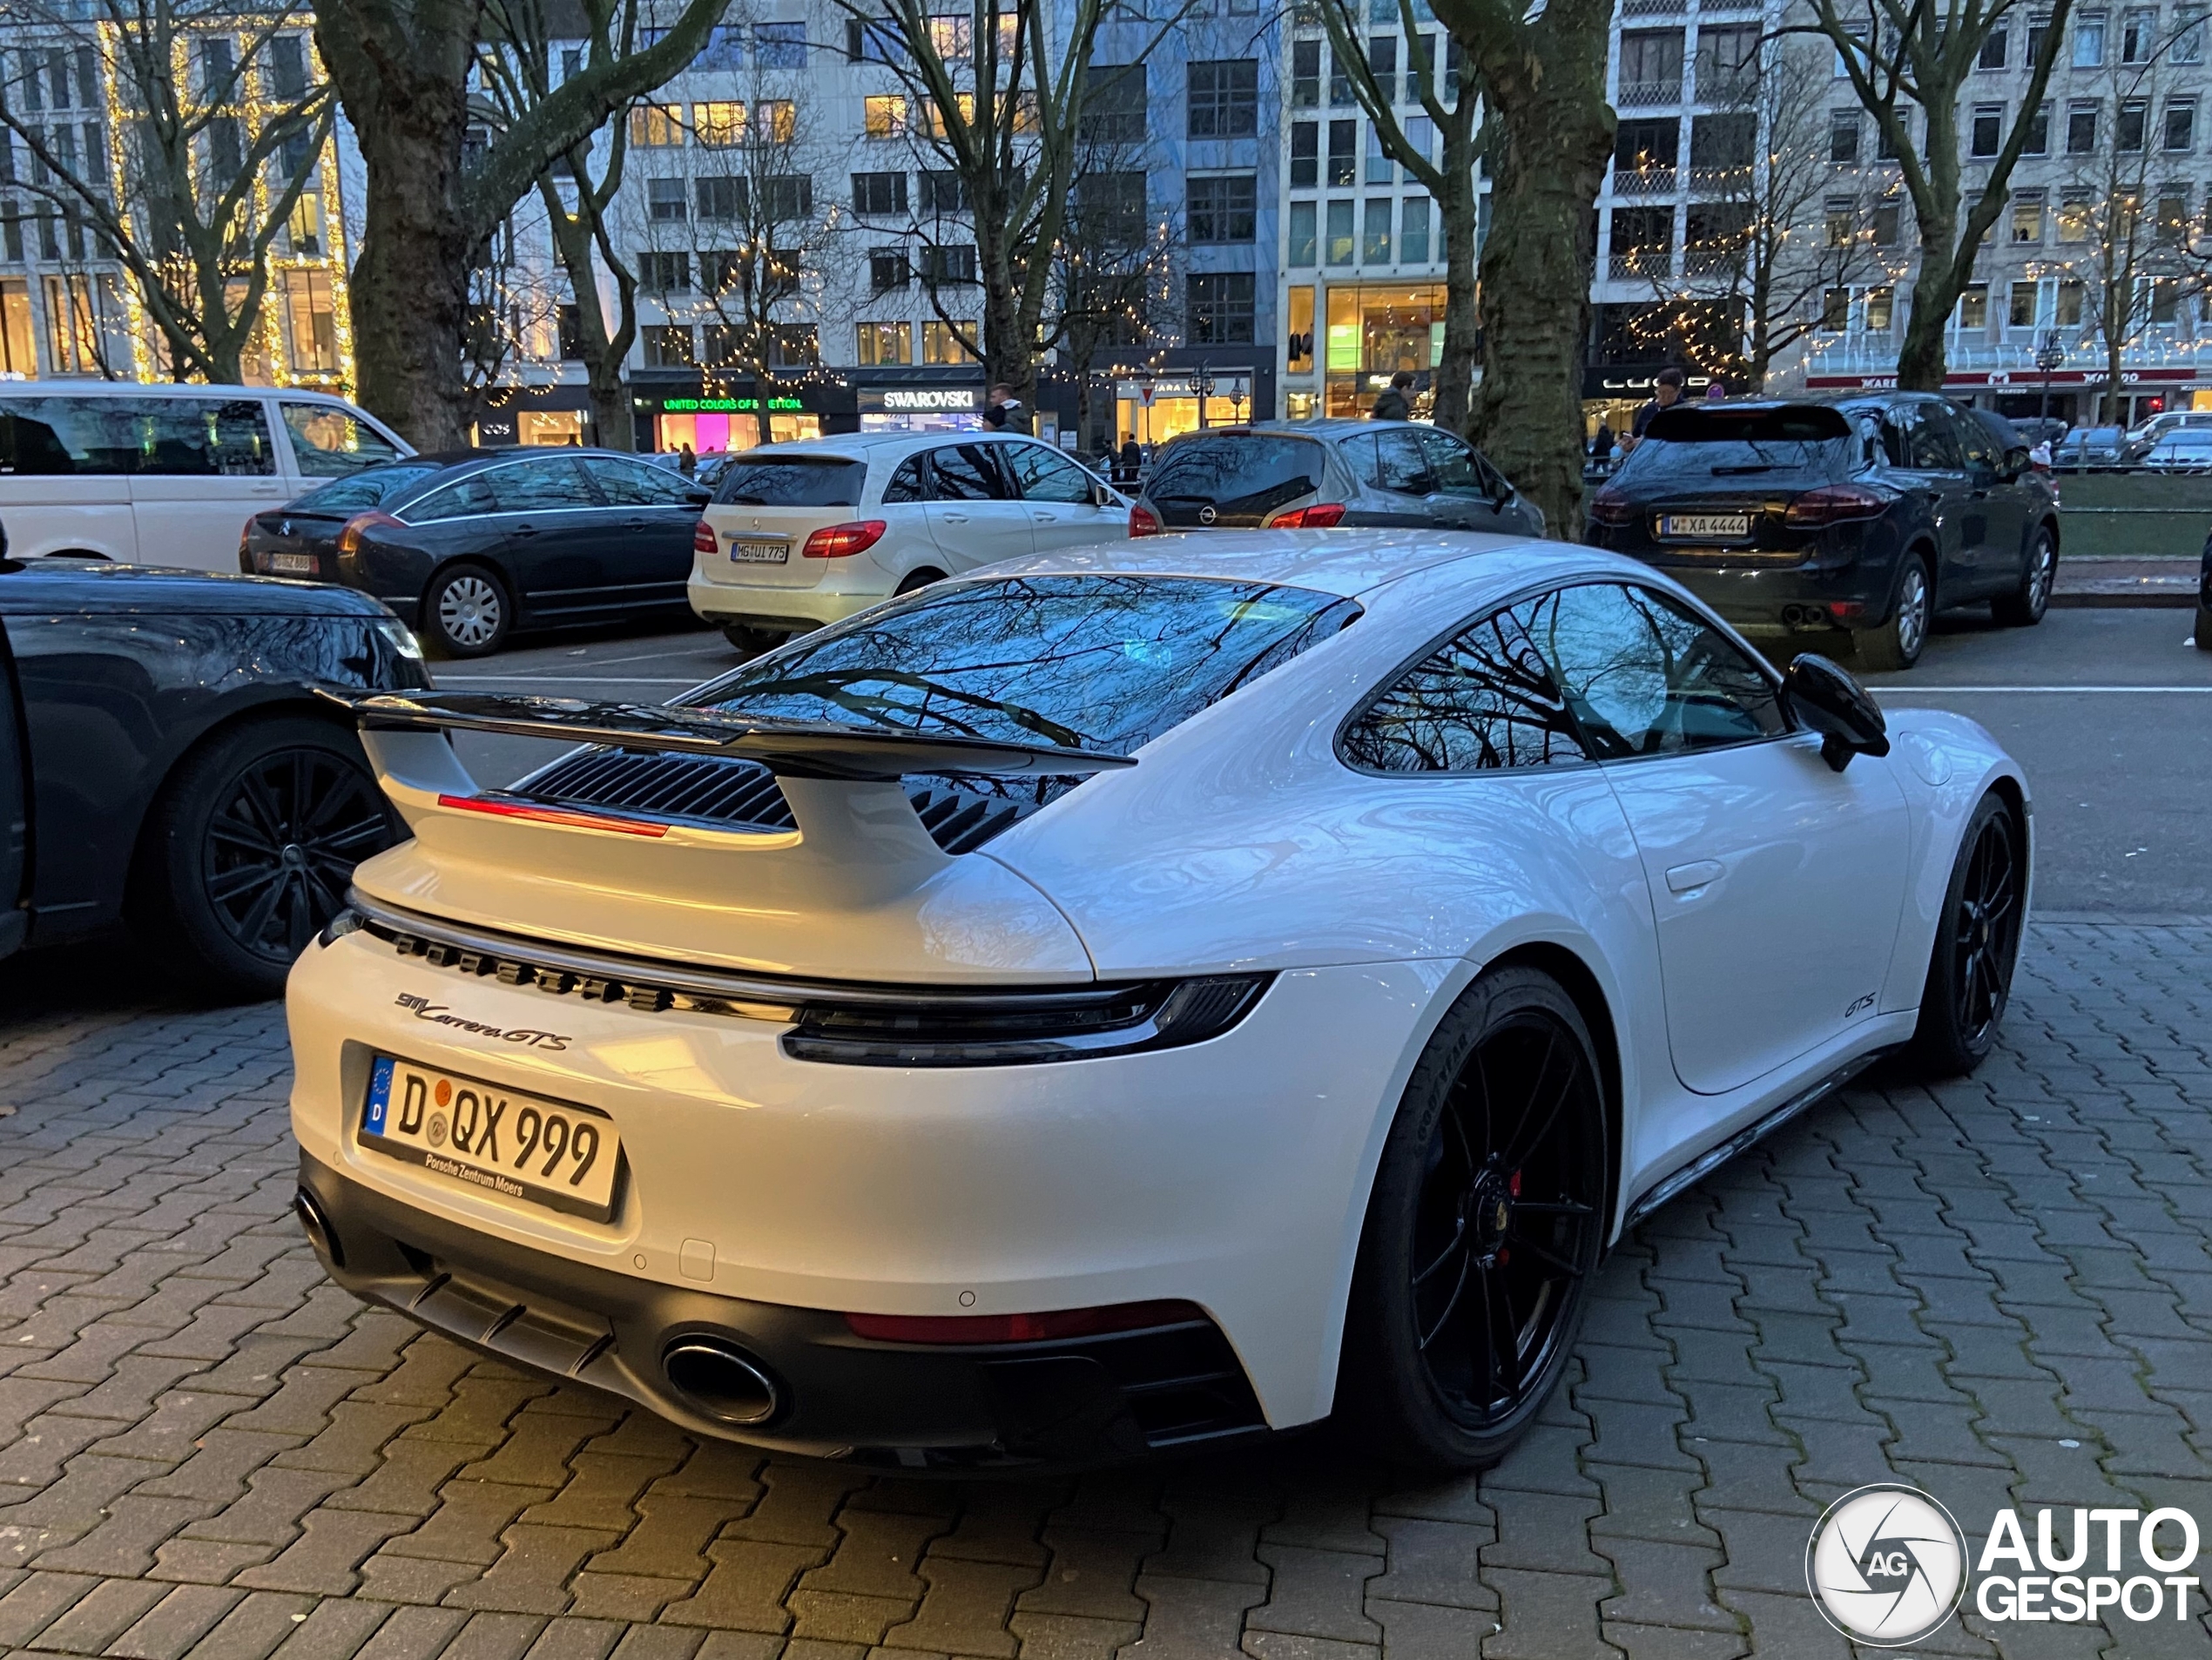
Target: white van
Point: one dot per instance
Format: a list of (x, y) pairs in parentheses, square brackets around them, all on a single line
[(166, 475)]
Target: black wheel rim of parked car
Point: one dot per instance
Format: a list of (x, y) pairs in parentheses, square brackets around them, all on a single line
[(1987, 932), (282, 844), (1503, 1228)]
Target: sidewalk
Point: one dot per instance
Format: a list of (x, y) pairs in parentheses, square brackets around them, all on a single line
[(2160, 582)]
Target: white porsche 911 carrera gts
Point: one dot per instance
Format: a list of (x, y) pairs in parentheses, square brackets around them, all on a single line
[(1136, 997)]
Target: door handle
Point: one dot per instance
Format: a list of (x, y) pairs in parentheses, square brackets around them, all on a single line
[(1045, 518), (1688, 879), (526, 530), (636, 523), (954, 518)]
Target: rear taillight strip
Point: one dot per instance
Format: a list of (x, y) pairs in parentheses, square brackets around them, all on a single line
[(499, 807)]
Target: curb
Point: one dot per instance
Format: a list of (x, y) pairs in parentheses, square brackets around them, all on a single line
[(2152, 599)]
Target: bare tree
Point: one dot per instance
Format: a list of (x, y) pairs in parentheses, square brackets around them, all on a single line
[(1114, 287), (224, 126), (1550, 134), (1900, 55), (1448, 174)]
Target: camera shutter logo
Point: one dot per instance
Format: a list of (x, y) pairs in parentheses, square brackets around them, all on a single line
[(1886, 1565)]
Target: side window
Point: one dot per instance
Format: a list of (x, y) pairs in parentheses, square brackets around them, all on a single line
[(550, 486), (1897, 445), (1929, 444), (1358, 454), (1485, 702), (50, 435), (469, 496), (904, 484), (1646, 678), (1405, 469), (204, 438), (1044, 476), (1976, 444), (629, 483), (329, 443), (966, 473), (1459, 470)]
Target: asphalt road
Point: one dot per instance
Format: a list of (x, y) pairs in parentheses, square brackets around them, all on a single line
[(2105, 708)]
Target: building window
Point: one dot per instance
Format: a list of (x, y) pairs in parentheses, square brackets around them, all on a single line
[(2188, 35), (888, 271), (1224, 100), (943, 193), (311, 322), (665, 273), (1412, 231), (1302, 233), (2073, 219), (1379, 168), (873, 42), (1221, 207), (1344, 138), (943, 265), (2081, 130), (1340, 238), (1651, 66), (2038, 142), (780, 46), (1305, 154), (776, 119), (2180, 123), (786, 197), (1114, 103), (940, 344), (883, 115), (719, 125), (1220, 309), (1339, 82), (2068, 312), (1374, 244), (18, 346), (1843, 138), (1420, 139), (668, 345), (656, 126), (2165, 301), (1298, 356), (2138, 36), (2027, 219), (288, 66), (883, 344), (1305, 74), (1110, 209), (1883, 222), (1988, 130), (2019, 310), (880, 192), (1992, 49), (1728, 61), (1881, 307), (1842, 217), (2127, 131), (1835, 311), (1973, 307), (2089, 40), (795, 346)]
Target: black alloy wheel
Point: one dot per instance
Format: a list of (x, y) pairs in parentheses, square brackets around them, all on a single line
[(254, 846), (1977, 945), (1486, 1226)]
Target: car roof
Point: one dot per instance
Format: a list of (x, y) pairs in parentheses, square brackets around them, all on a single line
[(70, 387), (1324, 430), (861, 446)]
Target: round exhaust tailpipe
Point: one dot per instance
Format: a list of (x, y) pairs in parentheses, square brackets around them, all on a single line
[(718, 1379), (316, 1226)]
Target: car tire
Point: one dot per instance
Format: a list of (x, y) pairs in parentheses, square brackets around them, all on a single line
[(916, 580), (1977, 946), (752, 641), (466, 611), (2025, 605), (251, 847), (2203, 635), (1898, 642), (1482, 1238)]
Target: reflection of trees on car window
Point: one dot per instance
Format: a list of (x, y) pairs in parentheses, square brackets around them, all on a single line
[(1485, 701), (1103, 663)]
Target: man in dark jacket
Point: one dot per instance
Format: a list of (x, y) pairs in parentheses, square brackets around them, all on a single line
[(1666, 392), (1130, 462), (1396, 402)]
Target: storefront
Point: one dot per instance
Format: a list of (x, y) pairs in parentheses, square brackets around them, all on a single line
[(713, 425), (553, 415), (921, 408), (2074, 394), (1158, 408), (1612, 393)]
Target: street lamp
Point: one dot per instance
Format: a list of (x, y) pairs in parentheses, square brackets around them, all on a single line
[(2048, 356)]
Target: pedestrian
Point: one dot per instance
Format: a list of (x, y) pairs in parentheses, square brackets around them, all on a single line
[(1602, 446), (1129, 462), (686, 462), (1666, 391), (1003, 411), (1396, 402)]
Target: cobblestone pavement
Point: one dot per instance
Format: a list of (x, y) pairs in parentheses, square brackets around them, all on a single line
[(1998, 1290)]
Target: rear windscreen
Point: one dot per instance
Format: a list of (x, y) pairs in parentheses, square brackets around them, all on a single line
[(1698, 442), (1231, 468), (1100, 663), (371, 488), (789, 482)]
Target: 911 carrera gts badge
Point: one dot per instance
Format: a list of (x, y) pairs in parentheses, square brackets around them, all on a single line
[(423, 1008), (1859, 1005)]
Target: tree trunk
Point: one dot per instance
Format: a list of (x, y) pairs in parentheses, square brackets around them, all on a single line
[(1545, 80), (1923, 359), (403, 87), (1462, 328)]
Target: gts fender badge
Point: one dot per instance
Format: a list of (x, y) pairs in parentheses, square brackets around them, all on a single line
[(1860, 1006), (423, 1008)]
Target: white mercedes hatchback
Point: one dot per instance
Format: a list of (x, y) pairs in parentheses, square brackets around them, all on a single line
[(809, 532), (1129, 998)]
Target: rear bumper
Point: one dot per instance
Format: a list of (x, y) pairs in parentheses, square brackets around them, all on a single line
[(800, 610), (1857, 595), (833, 1395)]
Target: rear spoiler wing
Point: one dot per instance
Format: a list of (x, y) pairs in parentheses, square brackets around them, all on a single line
[(803, 749)]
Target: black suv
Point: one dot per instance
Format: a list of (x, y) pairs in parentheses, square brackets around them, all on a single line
[(1869, 514)]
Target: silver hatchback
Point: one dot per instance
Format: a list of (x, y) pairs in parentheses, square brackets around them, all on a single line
[(1312, 474)]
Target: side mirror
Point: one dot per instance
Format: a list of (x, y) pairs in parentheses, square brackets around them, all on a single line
[(1824, 697), (1101, 495), (696, 497)]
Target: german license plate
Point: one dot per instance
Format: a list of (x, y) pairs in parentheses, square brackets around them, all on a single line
[(1705, 527), (759, 553), (289, 565), (519, 1146)]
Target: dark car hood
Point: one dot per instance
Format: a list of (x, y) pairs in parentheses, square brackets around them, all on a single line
[(82, 585)]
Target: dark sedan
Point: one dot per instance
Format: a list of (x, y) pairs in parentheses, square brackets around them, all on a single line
[(166, 761), (471, 547), (1869, 515)]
